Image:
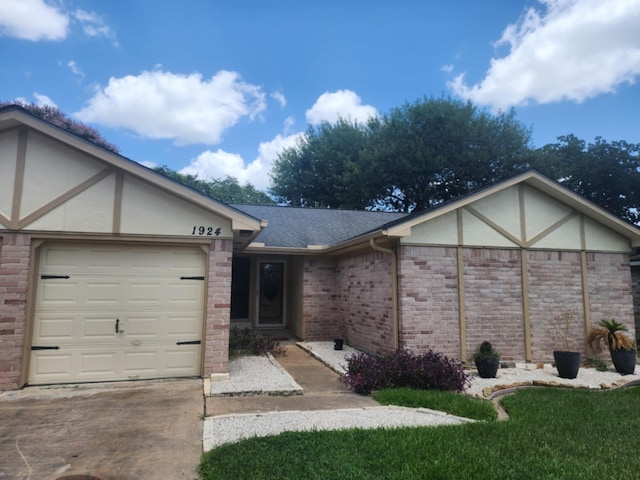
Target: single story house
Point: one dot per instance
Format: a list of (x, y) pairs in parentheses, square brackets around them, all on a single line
[(111, 271)]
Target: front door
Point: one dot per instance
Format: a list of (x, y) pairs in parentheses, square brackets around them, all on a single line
[(271, 311)]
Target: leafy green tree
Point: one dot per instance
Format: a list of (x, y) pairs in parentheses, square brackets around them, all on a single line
[(437, 149), (415, 157), (606, 173), (54, 116), (324, 169), (227, 190)]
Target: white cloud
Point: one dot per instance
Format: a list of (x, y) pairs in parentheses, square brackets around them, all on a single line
[(73, 66), (447, 68), (210, 165), (340, 104), (573, 50), (280, 98), (32, 20), (93, 25), (43, 100), (185, 108)]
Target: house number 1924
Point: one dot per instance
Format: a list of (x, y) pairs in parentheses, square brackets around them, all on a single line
[(209, 231)]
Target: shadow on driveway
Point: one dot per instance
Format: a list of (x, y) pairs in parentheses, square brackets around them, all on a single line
[(132, 430)]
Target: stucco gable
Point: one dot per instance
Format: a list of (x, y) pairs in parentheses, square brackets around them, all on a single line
[(528, 211), (51, 180)]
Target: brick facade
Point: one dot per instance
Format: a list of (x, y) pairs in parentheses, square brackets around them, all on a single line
[(365, 301), (14, 274), (217, 320), (610, 292), (320, 309), (428, 299), (493, 300), (555, 288)]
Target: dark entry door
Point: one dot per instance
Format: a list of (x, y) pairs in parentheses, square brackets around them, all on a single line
[(271, 294)]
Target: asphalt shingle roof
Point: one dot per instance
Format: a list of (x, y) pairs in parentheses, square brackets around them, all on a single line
[(294, 227)]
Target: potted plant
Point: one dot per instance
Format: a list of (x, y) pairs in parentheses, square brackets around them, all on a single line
[(621, 347), (487, 360), (567, 361)]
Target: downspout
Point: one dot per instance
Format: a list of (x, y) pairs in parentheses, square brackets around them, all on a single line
[(394, 291)]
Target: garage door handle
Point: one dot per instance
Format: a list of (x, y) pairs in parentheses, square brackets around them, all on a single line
[(34, 347), (190, 342), (117, 325)]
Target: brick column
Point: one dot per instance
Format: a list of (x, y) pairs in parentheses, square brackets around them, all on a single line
[(216, 335), (14, 274)]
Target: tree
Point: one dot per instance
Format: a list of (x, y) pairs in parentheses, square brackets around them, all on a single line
[(324, 168), (415, 157), (54, 116), (227, 190), (606, 173)]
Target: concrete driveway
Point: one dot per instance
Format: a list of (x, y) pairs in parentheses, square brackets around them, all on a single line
[(113, 431)]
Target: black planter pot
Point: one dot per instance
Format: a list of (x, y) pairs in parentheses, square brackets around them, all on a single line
[(487, 367), (624, 361), (338, 343), (567, 363)]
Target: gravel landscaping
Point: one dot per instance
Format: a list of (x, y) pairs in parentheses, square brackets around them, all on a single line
[(263, 375)]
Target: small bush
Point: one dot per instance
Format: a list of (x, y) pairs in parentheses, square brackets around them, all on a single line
[(427, 371), (247, 341)]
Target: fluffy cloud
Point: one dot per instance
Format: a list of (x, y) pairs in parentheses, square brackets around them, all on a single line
[(341, 104), (93, 25), (211, 165), (32, 20), (184, 108), (43, 100), (573, 50)]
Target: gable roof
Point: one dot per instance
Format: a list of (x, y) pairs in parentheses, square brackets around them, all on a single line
[(302, 228), (538, 181), (335, 230), (244, 225)]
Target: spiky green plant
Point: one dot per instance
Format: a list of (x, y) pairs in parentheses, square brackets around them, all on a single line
[(610, 333)]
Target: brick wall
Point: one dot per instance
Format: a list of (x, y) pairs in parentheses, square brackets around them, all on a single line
[(365, 301), (493, 300), (610, 290), (320, 310), (216, 335), (555, 288), (428, 299), (14, 274)]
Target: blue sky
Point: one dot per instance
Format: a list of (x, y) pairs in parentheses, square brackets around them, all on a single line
[(219, 87)]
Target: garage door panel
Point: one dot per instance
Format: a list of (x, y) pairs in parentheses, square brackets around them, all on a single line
[(140, 287)]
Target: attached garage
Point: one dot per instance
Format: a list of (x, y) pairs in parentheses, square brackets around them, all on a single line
[(117, 313), (108, 270)]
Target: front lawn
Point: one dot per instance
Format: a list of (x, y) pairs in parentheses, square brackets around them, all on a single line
[(551, 434)]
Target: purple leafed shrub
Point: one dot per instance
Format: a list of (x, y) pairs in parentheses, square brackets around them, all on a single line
[(427, 371)]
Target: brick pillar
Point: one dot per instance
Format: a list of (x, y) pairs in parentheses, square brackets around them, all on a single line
[(216, 335), (14, 274)]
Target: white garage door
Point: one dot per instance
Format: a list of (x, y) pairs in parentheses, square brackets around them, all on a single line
[(117, 313)]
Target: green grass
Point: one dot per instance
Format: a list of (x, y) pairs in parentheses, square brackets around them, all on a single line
[(450, 402), (551, 434)]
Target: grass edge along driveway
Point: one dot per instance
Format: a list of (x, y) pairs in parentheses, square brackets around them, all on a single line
[(551, 434)]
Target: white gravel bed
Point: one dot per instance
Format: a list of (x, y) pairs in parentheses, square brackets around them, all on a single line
[(589, 378), (325, 352), (258, 375), (232, 428)]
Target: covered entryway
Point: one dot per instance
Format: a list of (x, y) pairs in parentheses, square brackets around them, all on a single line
[(117, 312)]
